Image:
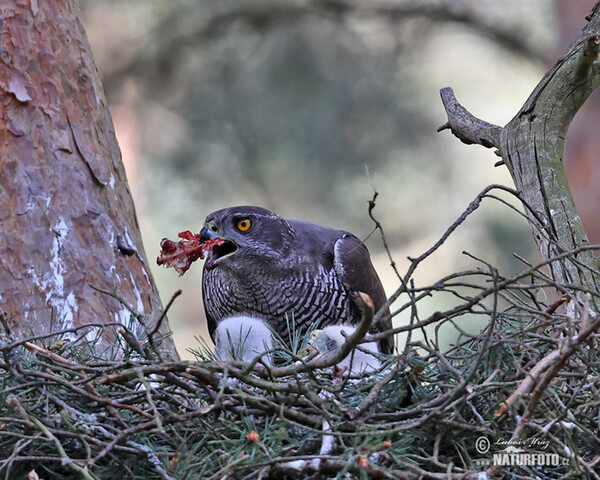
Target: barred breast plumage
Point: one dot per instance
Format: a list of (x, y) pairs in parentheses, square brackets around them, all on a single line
[(271, 268)]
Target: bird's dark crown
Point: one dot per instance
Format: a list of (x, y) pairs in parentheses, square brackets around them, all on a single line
[(241, 211)]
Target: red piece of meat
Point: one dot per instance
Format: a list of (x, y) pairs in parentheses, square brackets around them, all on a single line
[(181, 254)]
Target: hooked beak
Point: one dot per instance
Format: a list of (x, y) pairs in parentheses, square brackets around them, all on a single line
[(207, 234), (217, 253)]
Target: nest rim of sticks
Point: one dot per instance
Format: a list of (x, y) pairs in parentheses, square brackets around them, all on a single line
[(529, 378)]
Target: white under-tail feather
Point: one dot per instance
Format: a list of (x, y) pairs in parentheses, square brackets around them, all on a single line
[(242, 338)]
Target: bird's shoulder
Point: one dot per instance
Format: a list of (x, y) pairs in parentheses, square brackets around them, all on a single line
[(316, 242), (339, 251)]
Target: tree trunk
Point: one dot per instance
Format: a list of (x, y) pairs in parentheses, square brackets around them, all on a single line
[(67, 218), (532, 147)]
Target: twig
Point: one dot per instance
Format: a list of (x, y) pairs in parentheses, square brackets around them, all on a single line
[(550, 366), (82, 472)]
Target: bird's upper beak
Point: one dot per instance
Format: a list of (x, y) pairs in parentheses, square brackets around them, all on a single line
[(218, 252), (207, 234)]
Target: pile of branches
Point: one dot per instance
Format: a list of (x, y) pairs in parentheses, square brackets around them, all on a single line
[(522, 376)]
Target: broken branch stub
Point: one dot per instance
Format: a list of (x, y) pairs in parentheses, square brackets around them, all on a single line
[(465, 126)]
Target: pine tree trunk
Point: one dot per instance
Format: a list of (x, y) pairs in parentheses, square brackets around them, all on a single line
[(67, 219), (532, 147)]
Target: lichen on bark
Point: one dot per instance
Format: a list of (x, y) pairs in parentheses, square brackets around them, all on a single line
[(64, 197)]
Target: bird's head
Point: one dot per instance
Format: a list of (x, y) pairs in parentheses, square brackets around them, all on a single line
[(250, 235)]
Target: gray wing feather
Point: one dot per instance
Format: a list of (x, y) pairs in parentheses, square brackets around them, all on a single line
[(353, 266)]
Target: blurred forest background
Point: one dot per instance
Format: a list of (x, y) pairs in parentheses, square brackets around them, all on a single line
[(286, 104)]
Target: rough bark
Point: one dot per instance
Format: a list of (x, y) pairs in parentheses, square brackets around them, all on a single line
[(67, 218), (532, 147)]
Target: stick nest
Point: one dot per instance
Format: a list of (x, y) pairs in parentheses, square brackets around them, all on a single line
[(523, 375)]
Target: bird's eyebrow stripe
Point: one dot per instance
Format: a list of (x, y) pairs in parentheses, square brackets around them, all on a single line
[(237, 215)]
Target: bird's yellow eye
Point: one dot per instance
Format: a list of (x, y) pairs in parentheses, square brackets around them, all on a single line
[(244, 224)]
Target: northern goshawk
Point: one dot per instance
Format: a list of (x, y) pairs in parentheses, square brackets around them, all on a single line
[(275, 269)]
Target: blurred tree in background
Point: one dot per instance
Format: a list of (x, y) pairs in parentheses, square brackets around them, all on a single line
[(284, 104)]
